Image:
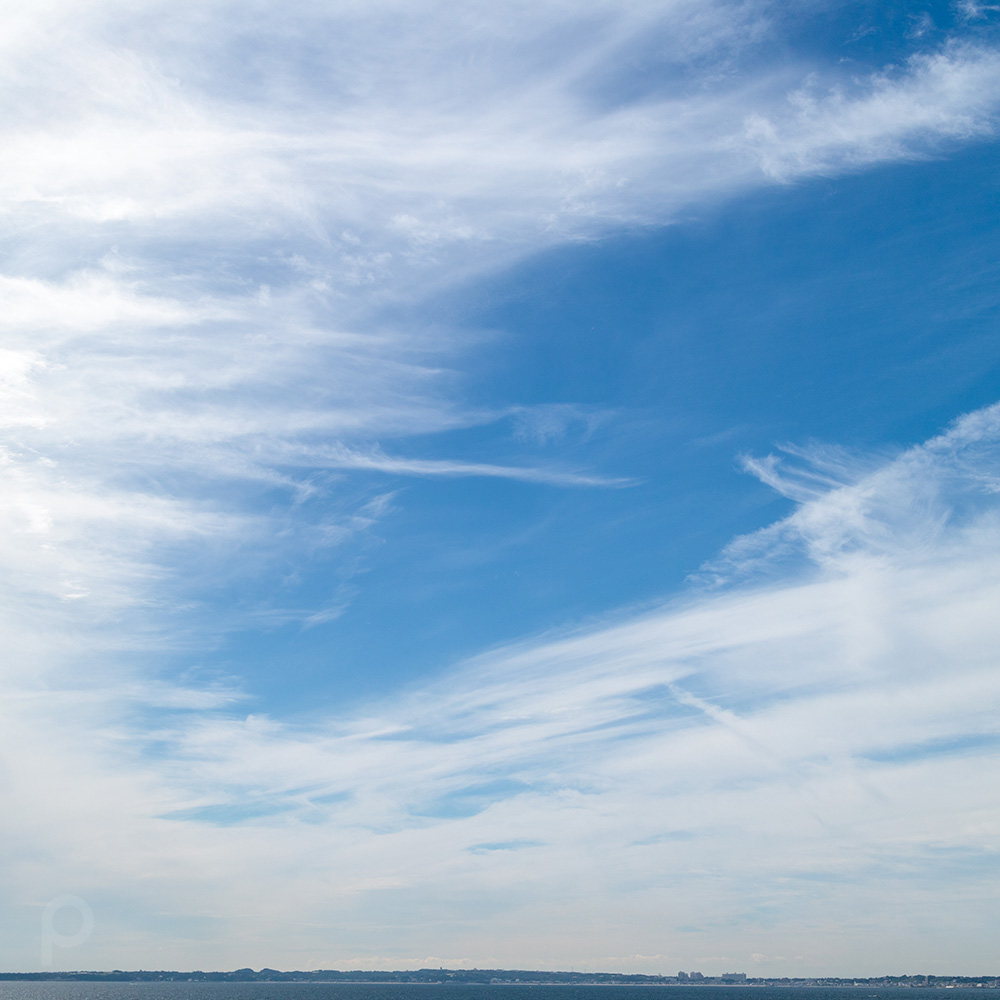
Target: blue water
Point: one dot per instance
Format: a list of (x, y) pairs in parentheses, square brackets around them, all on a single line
[(458, 991)]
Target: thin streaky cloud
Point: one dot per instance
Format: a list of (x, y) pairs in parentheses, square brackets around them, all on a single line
[(813, 708), (225, 231), (379, 462)]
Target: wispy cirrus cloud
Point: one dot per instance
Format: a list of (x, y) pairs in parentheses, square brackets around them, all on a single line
[(938, 96), (222, 228), (697, 763), (195, 269)]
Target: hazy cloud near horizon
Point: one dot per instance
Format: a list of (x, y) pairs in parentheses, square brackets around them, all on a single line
[(697, 764), (223, 227)]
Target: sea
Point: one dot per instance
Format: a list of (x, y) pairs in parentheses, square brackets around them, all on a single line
[(462, 991)]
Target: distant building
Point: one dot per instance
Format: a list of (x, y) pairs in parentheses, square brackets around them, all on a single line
[(733, 977)]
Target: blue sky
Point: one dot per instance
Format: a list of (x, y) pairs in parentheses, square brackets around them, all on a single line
[(501, 485)]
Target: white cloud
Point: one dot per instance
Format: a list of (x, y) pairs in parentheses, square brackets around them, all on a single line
[(488, 136), (147, 193), (208, 213), (490, 131), (940, 96), (693, 766)]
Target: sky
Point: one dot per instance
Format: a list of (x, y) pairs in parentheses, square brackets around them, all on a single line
[(500, 485)]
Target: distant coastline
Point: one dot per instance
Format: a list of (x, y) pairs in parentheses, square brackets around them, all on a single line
[(501, 977)]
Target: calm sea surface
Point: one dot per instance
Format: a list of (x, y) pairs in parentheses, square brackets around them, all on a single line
[(460, 991)]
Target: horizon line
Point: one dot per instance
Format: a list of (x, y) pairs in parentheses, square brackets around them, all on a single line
[(907, 980)]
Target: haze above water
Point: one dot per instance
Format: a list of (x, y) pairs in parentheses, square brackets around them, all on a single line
[(460, 991)]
